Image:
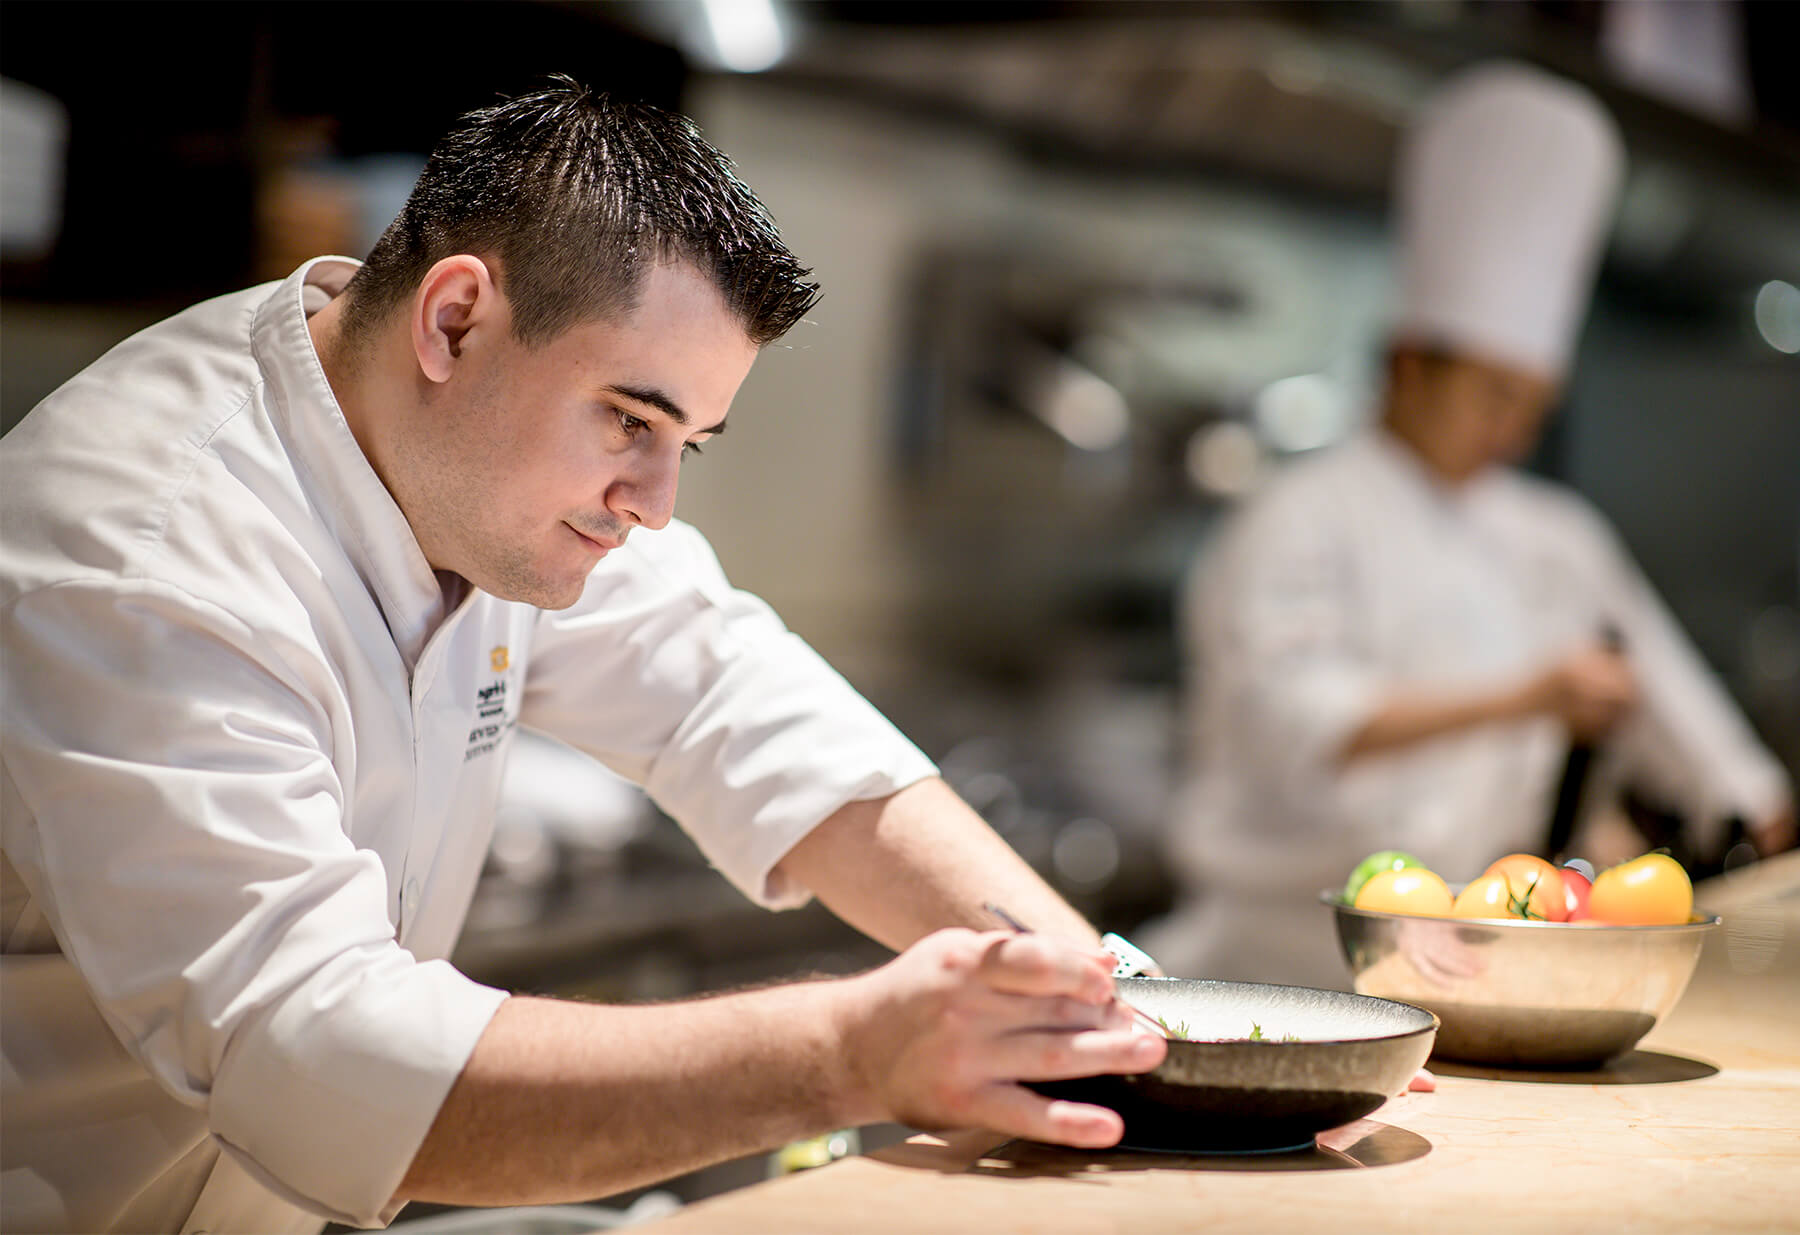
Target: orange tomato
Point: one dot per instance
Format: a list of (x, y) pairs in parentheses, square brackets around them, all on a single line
[(1652, 890), (1501, 896), (1414, 890), (1524, 869)]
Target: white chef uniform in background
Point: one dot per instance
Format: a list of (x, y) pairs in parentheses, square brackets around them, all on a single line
[(1360, 573), (250, 769)]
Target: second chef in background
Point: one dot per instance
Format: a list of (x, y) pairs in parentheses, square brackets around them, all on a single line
[(1394, 645)]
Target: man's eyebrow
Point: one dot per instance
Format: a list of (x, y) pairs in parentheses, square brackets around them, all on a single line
[(655, 398)]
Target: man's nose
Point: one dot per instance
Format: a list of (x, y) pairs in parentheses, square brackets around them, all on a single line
[(647, 494)]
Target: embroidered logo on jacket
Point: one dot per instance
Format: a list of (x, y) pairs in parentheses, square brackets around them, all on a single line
[(493, 713)]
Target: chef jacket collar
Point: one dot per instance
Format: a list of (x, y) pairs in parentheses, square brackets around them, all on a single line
[(365, 519)]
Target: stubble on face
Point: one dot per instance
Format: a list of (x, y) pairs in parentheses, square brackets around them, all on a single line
[(504, 471), (467, 506)]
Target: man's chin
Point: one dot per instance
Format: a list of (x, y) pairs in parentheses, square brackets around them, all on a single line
[(551, 594)]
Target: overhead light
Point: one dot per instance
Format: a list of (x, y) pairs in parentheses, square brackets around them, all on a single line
[(1301, 413), (744, 35), (34, 130), (1083, 408), (1224, 459), (1778, 315)]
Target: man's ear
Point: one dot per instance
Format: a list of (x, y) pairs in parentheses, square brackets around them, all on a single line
[(457, 295)]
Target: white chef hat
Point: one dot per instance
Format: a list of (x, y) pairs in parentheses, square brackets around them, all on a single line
[(1504, 192)]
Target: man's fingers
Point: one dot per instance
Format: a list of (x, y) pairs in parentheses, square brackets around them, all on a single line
[(1039, 965), (1047, 1055), (1019, 1112), (1024, 1012), (1774, 834)]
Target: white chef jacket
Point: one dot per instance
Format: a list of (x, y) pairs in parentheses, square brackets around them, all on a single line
[(250, 764), (1355, 575)]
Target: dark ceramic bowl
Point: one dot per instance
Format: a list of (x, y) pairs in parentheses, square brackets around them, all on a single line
[(1325, 1058)]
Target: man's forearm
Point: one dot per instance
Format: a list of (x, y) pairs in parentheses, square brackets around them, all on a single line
[(1406, 720), (900, 867), (565, 1101), (562, 1101)]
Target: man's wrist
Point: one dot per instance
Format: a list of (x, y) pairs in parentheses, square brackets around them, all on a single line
[(846, 1050)]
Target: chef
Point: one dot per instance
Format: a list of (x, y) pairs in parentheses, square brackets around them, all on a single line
[(1394, 645), (283, 575)]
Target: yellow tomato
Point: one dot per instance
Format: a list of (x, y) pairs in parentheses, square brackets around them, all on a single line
[(1523, 870), (1649, 891), (1414, 890), (1485, 897), (1498, 896)]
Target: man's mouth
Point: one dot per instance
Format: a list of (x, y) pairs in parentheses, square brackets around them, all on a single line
[(598, 544)]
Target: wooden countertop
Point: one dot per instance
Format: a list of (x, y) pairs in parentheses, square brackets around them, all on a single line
[(1698, 1130)]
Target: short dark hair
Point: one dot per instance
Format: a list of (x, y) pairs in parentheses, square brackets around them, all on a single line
[(577, 196)]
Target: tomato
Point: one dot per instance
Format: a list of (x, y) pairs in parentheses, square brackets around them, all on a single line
[(1649, 891), (1575, 892), (1522, 870), (1485, 897), (1413, 890), (1385, 860), (1498, 895)]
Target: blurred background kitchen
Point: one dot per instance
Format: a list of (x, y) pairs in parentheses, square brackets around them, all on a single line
[(1093, 271)]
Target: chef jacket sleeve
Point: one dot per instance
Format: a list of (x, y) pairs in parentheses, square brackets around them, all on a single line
[(1277, 632), (183, 829), (1687, 745), (696, 691)]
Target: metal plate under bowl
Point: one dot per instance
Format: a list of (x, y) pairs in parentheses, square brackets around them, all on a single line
[(1352, 1053)]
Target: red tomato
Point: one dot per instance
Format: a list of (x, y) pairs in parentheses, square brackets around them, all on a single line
[(1575, 893), (1414, 890), (1649, 891), (1522, 870), (1497, 896)]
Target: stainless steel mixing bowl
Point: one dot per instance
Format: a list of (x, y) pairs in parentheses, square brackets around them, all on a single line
[(1523, 994)]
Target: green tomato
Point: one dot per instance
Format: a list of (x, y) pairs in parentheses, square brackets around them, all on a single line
[(1374, 864)]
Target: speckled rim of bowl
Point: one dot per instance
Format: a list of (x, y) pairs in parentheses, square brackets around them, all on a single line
[(1237, 1044)]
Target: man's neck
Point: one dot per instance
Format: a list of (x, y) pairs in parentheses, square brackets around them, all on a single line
[(1418, 444)]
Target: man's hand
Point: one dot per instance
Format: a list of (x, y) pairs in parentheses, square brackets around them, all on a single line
[(1775, 833), (943, 1036), (1589, 690)]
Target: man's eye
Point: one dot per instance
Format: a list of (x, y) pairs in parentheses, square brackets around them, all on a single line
[(690, 448), (631, 424)]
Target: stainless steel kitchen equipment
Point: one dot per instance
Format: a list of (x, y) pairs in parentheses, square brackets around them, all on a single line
[(1523, 994)]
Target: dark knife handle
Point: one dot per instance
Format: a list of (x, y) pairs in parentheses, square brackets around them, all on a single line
[(1568, 798), (1576, 766)]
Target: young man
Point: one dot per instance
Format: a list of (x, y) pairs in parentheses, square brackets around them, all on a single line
[(281, 576), (1393, 645)]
